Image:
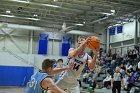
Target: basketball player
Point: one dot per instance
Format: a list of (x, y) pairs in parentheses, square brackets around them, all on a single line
[(41, 80), (78, 58)]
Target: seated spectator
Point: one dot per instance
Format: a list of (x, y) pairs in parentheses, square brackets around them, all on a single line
[(128, 66), (91, 81), (107, 81), (85, 77), (112, 65), (86, 68), (136, 74), (139, 65), (97, 70), (122, 67), (131, 80), (125, 79)]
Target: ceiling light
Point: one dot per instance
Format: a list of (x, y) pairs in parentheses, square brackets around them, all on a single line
[(33, 19), (84, 22), (50, 5), (78, 32), (79, 24), (35, 15), (20, 17), (8, 11), (21, 1), (113, 11), (108, 14), (36, 3), (7, 15)]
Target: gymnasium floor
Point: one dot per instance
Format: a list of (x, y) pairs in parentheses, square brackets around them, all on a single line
[(22, 90)]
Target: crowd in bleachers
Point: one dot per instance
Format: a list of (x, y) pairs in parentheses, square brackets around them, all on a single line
[(103, 73), (105, 69)]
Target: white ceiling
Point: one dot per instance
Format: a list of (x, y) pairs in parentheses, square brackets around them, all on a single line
[(52, 13)]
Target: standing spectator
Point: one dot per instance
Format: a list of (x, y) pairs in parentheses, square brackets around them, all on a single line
[(116, 81)]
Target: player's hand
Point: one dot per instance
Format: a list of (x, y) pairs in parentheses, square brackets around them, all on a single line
[(86, 41), (95, 52)]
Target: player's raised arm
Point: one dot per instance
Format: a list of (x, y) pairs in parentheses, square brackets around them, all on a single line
[(81, 46), (94, 44), (92, 61)]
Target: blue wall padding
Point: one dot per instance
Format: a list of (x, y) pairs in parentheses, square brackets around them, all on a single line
[(43, 44), (66, 43), (15, 75)]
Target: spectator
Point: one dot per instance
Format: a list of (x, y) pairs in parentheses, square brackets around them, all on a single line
[(97, 70), (131, 80), (59, 65), (122, 67), (128, 66), (139, 65), (107, 81), (91, 81), (116, 81)]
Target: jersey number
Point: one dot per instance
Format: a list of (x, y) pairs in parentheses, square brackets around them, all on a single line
[(76, 67), (32, 83)]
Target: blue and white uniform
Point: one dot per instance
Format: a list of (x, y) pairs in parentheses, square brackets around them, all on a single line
[(34, 86), (68, 81)]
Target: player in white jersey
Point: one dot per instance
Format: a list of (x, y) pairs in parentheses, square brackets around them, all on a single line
[(79, 58)]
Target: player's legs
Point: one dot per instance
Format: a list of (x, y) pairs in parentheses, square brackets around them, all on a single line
[(75, 88)]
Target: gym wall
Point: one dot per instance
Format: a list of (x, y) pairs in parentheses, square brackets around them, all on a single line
[(127, 33), (18, 51), (125, 40)]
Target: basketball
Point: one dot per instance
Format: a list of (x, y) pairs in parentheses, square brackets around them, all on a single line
[(94, 43)]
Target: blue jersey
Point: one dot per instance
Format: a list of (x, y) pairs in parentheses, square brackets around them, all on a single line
[(34, 86)]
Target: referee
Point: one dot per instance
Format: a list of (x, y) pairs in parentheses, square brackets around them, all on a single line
[(116, 81)]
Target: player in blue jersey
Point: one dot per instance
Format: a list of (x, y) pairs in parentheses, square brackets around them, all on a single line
[(79, 58), (42, 80)]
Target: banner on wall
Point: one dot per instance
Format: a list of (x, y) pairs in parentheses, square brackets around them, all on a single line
[(112, 31), (43, 44), (66, 43), (119, 29)]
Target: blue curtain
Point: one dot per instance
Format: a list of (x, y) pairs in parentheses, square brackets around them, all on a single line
[(66, 43), (43, 44)]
